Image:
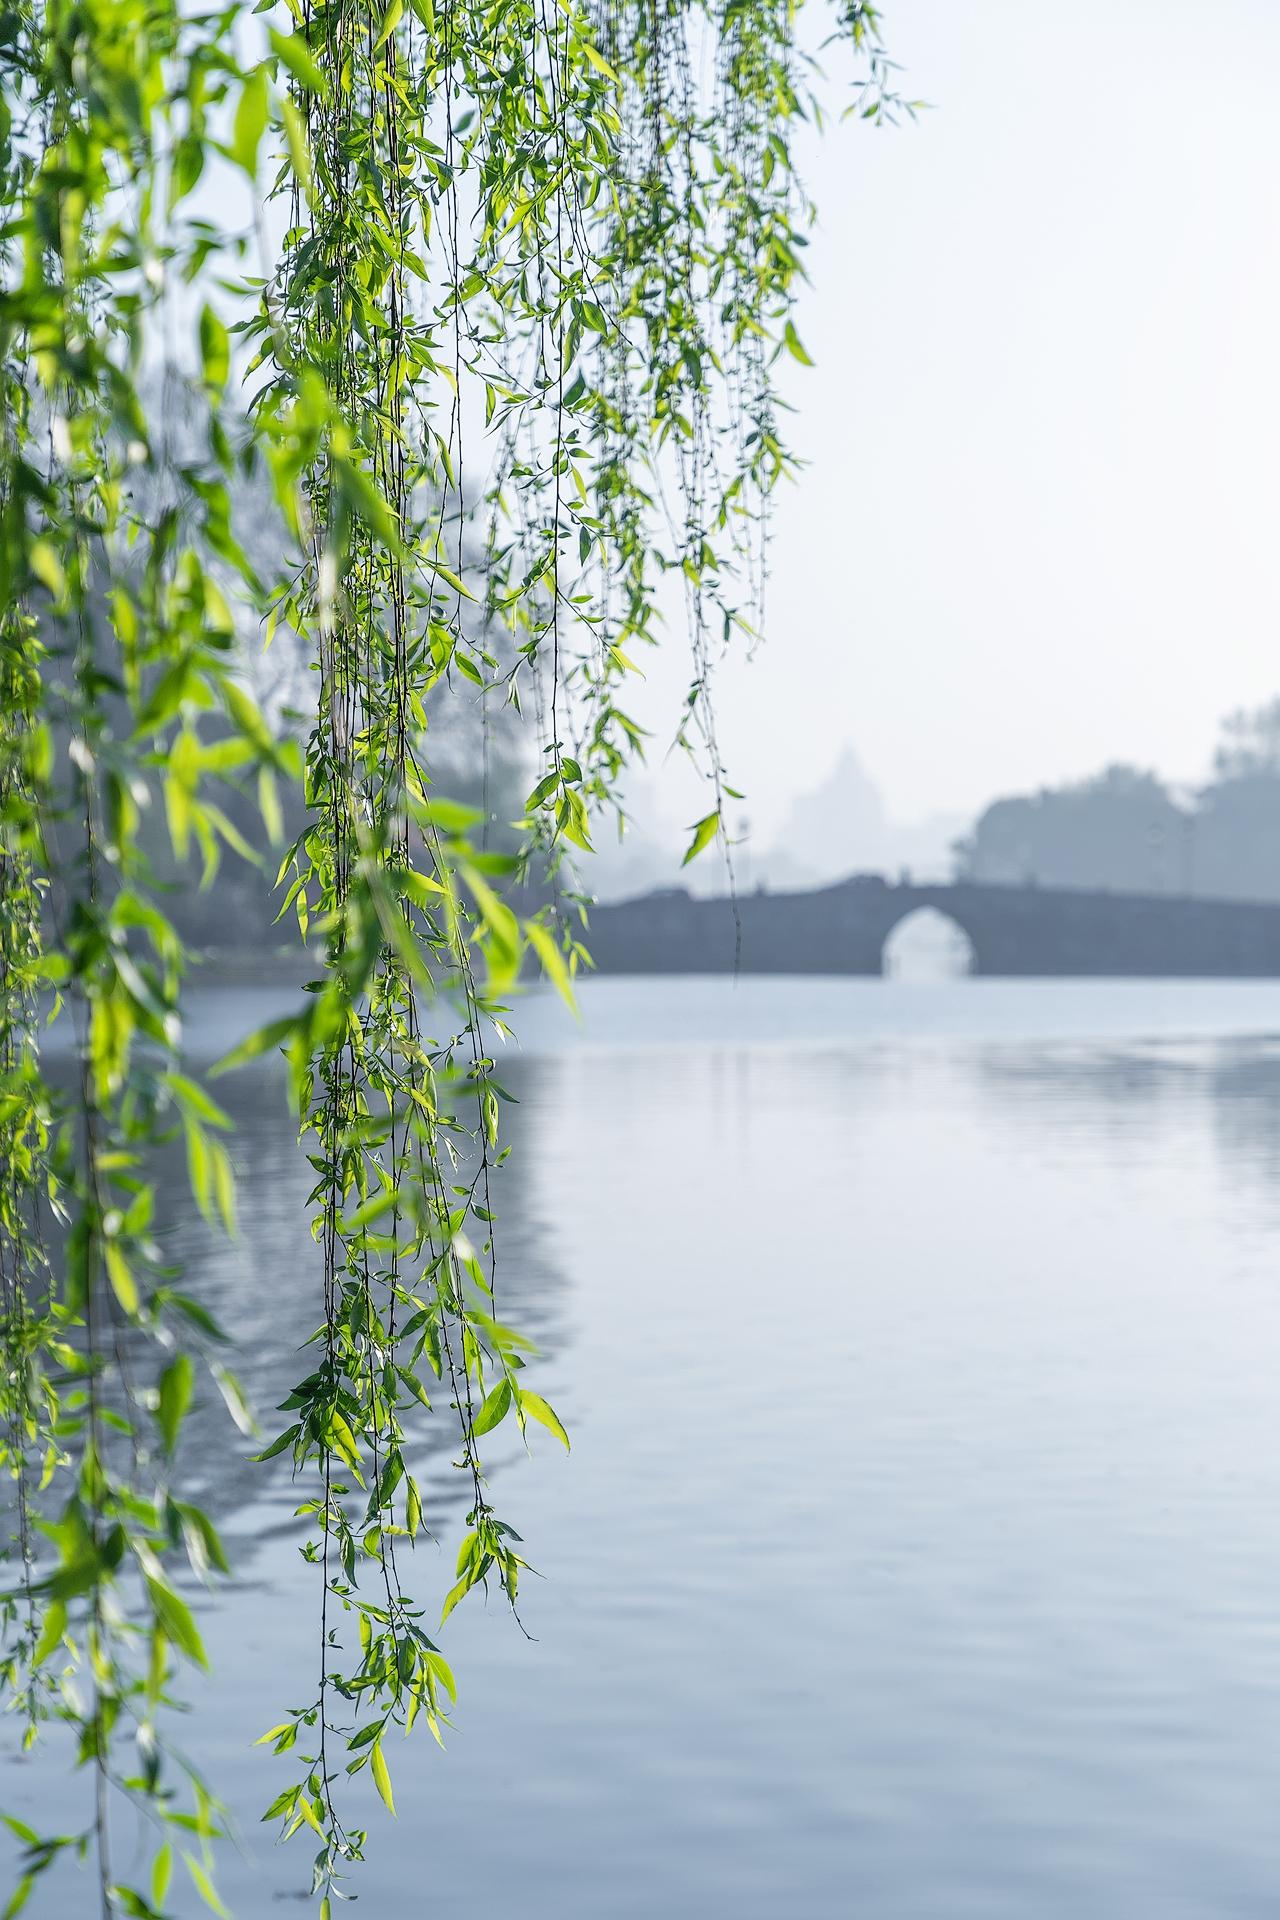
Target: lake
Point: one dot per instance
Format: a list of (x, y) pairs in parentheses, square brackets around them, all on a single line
[(918, 1556)]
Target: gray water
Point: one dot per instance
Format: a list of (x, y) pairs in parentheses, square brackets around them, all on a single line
[(918, 1557)]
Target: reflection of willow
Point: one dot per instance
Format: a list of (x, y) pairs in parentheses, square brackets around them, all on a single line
[(1246, 1115), (1119, 1078), (262, 1291), (1233, 1085)]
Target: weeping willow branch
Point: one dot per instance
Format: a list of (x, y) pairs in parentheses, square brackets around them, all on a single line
[(522, 265)]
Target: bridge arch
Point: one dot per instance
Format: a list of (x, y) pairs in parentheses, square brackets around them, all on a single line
[(927, 942)]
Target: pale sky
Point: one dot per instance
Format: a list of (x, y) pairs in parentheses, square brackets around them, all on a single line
[(1038, 530)]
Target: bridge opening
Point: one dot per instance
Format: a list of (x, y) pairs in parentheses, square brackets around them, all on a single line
[(927, 945)]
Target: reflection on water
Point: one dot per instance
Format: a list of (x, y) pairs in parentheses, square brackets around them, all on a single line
[(919, 1552)]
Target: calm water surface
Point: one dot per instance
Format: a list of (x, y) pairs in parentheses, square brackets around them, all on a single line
[(918, 1557)]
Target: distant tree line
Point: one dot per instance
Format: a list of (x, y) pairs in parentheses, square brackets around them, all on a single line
[(1126, 829)]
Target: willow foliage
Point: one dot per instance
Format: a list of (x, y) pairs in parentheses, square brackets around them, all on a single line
[(498, 331)]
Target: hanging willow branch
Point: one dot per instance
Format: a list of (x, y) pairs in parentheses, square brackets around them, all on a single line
[(524, 265)]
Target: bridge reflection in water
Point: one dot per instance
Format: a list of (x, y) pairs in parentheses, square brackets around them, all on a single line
[(843, 929)]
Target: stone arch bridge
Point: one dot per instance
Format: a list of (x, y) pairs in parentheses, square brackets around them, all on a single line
[(1025, 930)]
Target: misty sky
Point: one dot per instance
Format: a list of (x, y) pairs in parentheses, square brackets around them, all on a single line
[(1038, 530)]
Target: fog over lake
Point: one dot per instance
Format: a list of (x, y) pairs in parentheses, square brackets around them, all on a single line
[(919, 1551)]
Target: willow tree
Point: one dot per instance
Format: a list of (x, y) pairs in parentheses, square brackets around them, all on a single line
[(512, 279)]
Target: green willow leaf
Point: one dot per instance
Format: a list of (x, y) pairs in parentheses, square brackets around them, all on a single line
[(552, 961), (794, 345), (496, 1406), (161, 1874), (215, 350), (177, 1385), (250, 122), (177, 1620), (205, 1887), (381, 1777), (537, 1409), (704, 832), (123, 1284), (292, 49), (51, 1633), (281, 1441)]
